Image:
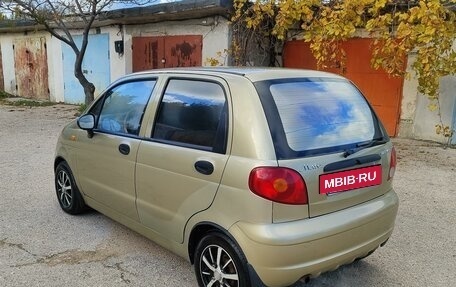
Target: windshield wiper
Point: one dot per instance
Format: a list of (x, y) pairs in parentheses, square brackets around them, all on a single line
[(361, 146)]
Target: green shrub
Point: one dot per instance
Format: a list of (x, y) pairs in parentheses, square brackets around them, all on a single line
[(4, 95), (31, 103)]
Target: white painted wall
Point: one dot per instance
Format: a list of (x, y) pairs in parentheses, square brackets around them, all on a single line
[(409, 99), (54, 51), (425, 120), (417, 120), (118, 61), (8, 62)]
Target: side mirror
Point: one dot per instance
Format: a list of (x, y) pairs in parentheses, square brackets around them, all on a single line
[(87, 123)]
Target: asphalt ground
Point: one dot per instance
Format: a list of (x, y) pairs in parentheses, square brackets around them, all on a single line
[(42, 246)]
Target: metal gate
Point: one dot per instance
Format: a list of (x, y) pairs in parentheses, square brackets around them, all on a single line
[(95, 66), (31, 68), (384, 92), (167, 52)]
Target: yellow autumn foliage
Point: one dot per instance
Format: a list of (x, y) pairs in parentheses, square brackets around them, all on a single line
[(425, 27)]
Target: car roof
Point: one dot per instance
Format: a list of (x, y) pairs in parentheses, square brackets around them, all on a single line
[(252, 73)]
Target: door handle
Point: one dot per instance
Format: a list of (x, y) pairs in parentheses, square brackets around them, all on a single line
[(204, 167), (124, 149)]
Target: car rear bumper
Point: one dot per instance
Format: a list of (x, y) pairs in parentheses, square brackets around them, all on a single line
[(282, 253)]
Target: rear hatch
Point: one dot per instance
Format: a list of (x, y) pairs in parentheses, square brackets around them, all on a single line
[(325, 129)]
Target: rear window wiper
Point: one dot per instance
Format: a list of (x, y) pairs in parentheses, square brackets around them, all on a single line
[(364, 145)]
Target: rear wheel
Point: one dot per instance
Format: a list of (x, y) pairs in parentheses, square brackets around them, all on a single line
[(220, 263), (68, 194)]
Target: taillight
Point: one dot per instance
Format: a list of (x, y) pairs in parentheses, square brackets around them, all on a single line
[(278, 184), (393, 162)]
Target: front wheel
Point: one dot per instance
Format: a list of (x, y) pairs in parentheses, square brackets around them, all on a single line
[(220, 263), (68, 194)]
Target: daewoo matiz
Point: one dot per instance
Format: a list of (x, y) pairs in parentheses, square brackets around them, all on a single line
[(256, 176)]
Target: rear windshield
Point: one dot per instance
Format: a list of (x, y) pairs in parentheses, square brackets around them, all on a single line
[(316, 115)]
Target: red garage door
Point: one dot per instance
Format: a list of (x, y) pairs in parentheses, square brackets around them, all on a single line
[(384, 92), (167, 52)]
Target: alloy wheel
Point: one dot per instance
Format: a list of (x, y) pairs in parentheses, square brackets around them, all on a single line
[(64, 189), (218, 268)]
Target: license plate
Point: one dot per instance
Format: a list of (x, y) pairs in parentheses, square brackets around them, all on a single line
[(350, 179)]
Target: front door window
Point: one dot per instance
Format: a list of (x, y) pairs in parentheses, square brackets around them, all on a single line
[(124, 106)]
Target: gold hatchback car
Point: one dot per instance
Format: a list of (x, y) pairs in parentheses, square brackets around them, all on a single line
[(256, 176)]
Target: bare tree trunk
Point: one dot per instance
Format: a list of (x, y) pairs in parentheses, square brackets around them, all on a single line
[(89, 88)]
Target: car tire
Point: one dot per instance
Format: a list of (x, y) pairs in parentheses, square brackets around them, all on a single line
[(220, 262), (67, 191)]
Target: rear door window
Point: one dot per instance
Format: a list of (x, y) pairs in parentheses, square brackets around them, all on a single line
[(193, 114), (316, 115)]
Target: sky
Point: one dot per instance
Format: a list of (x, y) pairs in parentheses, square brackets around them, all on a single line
[(123, 5)]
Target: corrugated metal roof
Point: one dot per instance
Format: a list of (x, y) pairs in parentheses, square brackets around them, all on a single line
[(181, 10), (186, 9)]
